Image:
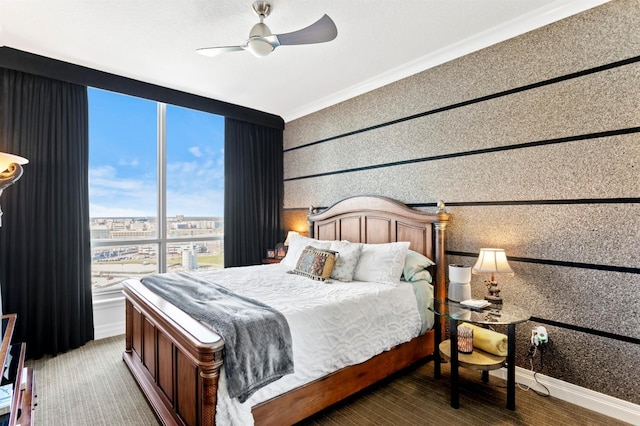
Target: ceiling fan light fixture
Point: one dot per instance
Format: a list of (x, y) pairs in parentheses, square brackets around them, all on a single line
[(259, 47)]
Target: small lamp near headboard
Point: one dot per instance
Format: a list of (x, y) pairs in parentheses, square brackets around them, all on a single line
[(492, 261)]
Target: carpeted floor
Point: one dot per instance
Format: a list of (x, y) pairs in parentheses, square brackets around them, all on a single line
[(89, 386), (92, 386)]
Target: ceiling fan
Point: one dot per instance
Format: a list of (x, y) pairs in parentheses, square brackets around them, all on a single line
[(261, 41)]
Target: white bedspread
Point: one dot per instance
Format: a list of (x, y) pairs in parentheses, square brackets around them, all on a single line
[(333, 325)]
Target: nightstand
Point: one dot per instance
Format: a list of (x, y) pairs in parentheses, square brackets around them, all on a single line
[(267, 260), (506, 314)]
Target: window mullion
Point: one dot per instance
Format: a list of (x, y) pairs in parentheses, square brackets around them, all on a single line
[(162, 187)]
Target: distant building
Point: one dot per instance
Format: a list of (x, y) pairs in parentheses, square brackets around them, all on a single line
[(189, 259), (126, 234), (138, 226), (100, 232)]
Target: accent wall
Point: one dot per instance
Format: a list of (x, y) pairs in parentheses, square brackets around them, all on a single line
[(534, 146)]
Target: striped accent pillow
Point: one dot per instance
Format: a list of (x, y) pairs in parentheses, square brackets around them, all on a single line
[(315, 263)]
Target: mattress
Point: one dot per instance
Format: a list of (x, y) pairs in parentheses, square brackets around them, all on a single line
[(333, 324)]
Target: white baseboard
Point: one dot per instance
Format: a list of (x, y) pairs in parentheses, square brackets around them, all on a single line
[(108, 317), (583, 397), (102, 332)]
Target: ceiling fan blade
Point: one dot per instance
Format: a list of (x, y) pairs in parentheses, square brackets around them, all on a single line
[(215, 51), (323, 30)]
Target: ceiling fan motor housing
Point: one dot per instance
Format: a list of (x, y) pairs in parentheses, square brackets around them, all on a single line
[(262, 8)]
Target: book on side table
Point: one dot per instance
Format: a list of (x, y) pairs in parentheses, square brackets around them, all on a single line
[(476, 303)]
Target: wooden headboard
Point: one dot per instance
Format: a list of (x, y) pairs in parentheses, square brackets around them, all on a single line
[(376, 220)]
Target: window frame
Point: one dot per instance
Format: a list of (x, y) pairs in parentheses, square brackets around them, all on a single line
[(162, 240)]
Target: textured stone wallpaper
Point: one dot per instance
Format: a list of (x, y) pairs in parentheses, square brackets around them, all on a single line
[(547, 169)]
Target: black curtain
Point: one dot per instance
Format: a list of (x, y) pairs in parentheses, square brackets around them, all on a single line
[(254, 192), (45, 257)]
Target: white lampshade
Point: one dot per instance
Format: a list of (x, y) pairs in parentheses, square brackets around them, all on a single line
[(6, 159), (289, 234), (492, 261)]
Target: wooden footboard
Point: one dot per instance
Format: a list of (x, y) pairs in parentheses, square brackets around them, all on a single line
[(175, 359)]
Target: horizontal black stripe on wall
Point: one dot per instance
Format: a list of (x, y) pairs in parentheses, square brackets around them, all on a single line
[(477, 100), (623, 200), (628, 200), (622, 338), (524, 145), (592, 266)]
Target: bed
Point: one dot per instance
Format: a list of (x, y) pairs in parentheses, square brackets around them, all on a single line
[(177, 360)]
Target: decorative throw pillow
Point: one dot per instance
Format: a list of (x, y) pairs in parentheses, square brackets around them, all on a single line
[(297, 243), (315, 263), (381, 263), (348, 255), (414, 263)]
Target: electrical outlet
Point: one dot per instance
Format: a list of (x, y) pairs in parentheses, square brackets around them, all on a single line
[(539, 336)]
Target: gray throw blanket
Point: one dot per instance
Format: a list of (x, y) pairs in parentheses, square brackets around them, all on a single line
[(257, 338)]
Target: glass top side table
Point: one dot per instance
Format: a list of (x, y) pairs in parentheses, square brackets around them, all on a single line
[(504, 314)]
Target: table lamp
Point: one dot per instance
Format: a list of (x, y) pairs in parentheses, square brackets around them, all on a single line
[(492, 261)]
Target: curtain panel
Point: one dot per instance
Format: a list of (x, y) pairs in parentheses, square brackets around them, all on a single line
[(254, 192), (45, 254)]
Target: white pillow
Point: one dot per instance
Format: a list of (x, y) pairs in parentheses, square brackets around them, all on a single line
[(297, 243), (381, 263), (347, 260)]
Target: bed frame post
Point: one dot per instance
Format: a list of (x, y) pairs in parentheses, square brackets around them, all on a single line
[(312, 210), (209, 378), (440, 240), (128, 327)]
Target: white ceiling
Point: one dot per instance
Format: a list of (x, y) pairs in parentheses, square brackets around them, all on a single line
[(378, 42)]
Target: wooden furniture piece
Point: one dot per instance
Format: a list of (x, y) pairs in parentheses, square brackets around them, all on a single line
[(267, 260), (506, 314), (12, 356), (176, 360)]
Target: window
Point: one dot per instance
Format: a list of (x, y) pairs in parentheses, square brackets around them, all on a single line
[(156, 188)]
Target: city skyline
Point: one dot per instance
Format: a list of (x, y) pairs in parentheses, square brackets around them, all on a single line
[(93, 218)]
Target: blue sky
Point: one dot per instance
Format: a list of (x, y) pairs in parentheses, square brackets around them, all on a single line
[(123, 164)]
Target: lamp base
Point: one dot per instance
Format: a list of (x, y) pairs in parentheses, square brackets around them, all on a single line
[(493, 299)]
